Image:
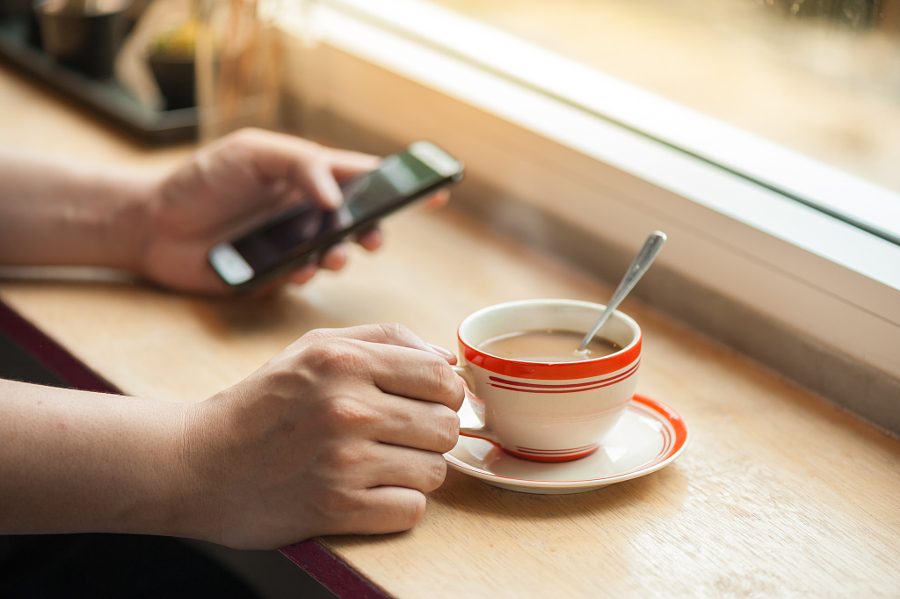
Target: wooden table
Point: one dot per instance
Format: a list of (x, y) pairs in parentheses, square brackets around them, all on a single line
[(779, 494)]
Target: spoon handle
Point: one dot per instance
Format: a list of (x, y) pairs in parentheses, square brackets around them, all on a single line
[(637, 269)]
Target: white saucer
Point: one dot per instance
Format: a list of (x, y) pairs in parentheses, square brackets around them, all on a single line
[(649, 436)]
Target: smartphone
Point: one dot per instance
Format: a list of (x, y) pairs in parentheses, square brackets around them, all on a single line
[(304, 233)]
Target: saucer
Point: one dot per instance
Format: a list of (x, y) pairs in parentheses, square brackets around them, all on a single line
[(649, 436)]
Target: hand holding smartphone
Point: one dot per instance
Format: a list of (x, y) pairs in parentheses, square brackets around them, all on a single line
[(303, 233)]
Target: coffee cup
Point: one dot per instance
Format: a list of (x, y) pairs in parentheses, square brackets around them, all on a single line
[(551, 405)]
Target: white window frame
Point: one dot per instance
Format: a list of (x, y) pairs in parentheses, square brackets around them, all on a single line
[(407, 70)]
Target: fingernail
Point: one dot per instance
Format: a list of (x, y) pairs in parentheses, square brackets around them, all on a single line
[(451, 357), (335, 198), (330, 192)]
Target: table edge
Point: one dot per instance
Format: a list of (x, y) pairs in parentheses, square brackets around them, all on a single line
[(51, 354), (310, 555)]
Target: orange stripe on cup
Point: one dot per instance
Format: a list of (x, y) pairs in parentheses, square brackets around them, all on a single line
[(553, 371), (572, 388)]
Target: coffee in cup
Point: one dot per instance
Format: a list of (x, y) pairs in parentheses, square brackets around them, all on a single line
[(547, 345), (538, 397)]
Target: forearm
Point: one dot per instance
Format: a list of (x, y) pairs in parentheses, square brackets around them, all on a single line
[(74, 461), (57, 212)]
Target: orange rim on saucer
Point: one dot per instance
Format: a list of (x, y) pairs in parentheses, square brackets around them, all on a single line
[(669, 431)]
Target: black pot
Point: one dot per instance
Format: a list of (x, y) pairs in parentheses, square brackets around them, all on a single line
[(175, 77), (11, 9), (83, 41)]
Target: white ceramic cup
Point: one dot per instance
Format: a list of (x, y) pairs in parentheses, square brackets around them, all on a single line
[(547, 411)]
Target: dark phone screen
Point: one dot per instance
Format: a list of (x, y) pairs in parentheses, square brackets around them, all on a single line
[(305, 227)]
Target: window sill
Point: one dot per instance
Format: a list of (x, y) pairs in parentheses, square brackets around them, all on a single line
[(828, 283)]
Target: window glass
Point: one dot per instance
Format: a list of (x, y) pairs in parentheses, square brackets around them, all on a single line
[(821, 77)]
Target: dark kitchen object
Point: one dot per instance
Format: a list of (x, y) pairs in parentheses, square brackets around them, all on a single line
[(175, 77), (106, 98), (83, 38), (20, 14)]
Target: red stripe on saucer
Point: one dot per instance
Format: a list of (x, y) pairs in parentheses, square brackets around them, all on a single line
[(678, 425), (544, 457), (570, 450)]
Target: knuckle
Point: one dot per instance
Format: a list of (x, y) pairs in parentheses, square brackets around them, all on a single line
[(317, 335), (411, 511), (341, 459), (344, 414), (333, 357), (247, 135), (399, 334), (448, 434), (435, 474), (394, 331), (338, 505), (314, 338), (444, 382)]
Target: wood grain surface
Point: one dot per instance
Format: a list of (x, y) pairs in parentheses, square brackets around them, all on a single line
[(780, 494)]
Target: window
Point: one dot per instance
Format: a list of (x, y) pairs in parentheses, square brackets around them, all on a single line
[(819, 78), (616, 160)]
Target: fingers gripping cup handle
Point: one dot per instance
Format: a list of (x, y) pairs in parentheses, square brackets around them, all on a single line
[(466, 376), (481, 432)]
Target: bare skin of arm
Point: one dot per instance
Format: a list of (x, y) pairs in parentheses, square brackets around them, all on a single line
[(62, 212), (342, 432)]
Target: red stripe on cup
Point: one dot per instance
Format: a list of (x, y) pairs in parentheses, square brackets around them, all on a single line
[(538, 388), (552, 371)]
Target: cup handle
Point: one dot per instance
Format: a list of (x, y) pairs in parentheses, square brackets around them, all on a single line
[(477, 432)]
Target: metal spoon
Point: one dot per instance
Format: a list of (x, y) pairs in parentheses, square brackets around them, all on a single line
[(637, 269)]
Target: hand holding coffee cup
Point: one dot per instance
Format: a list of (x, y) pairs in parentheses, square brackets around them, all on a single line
[(539, 398)]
